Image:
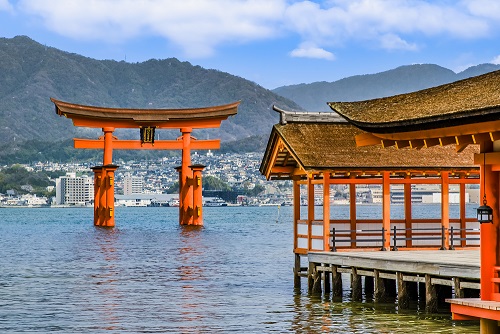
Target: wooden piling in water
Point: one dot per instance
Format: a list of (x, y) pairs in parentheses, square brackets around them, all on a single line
[(336, 282), (356, 287), (410, 276), (431, 301), (403, 295)]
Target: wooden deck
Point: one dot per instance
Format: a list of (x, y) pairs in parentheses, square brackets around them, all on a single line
[(413, 274), (457, 263)]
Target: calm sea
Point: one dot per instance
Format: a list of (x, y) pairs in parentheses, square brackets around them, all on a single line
[(58, 273)]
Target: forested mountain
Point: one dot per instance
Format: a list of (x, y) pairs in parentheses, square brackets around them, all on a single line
[(31, 73), (404, 79)]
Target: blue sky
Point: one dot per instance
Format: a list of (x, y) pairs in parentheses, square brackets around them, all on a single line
[(271, 42)]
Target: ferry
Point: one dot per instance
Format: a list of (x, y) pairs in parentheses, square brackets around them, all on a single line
[(217, 201)]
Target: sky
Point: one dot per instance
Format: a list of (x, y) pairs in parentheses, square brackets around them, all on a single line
[(270, 42)]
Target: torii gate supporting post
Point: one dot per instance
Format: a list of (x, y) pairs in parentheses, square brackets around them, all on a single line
[(97, 193), (186, 187), (108, 210), (197, 194)]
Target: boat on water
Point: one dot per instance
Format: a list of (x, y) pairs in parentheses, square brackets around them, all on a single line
[(217, 201)]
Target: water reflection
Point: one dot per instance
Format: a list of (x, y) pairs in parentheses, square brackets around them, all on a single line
[(105, 279), (190, 264)]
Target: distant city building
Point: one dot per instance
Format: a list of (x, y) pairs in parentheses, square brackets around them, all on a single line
[(73, 190), (132, 184)]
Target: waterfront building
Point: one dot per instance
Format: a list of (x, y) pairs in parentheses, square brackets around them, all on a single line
[(74, 190), (132, 184)]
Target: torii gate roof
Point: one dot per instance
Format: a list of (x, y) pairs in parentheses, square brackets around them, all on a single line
[(98, 117)]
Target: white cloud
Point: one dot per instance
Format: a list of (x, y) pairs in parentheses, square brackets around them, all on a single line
[(197, 26), (484, 8), (394, 42), (390, 24), (310, 51), (6, 6), (496, 60)]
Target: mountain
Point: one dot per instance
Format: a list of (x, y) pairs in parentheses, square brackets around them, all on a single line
[(31, 73), (404, 79)]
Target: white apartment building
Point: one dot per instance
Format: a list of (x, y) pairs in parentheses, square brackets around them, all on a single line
[(73, 190), (132, 184)]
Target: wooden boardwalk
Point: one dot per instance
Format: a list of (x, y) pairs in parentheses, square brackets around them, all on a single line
[(438, 274), (457, 263)]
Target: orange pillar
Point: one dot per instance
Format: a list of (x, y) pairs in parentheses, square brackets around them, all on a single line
[(310, 210), (109, 185), (97, 194), (326, 211), (463, 222), (296, 211), (108, 145), (386, 210), (352, 212), (489, 232), (197, 194), (445, 207), (179, 170), (408, 216), (186, 187)]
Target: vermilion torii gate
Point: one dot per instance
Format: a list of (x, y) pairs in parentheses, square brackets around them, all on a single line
[(147, 120)]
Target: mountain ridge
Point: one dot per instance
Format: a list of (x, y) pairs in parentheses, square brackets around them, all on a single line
[(32, 73), (400, 80)]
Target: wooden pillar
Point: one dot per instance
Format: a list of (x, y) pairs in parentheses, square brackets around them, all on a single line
[(108, 145), (326, 211), (386, 210), (356, 287), (459, 292), (179, 171), (296, 272), (336, 282), (352, 212), (431, 304), (379, 287), (314, 279), (408, 217), (109, 213), (403, 295), (197, 194), (296, 212), (463, 222), (487, 326), (326, 280), (445, 208), (97, 194), (185, 187), (310, 210), (489, 232)]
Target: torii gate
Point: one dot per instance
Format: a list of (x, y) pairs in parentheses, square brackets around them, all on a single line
[(147, 120)]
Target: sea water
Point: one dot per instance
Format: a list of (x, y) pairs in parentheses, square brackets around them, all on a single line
[(59, 273)]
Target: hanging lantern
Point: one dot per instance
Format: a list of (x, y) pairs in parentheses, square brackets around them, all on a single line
[(484, 213)]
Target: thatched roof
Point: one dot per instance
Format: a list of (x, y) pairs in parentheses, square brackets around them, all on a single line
[(468, 101), (331, 146)]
